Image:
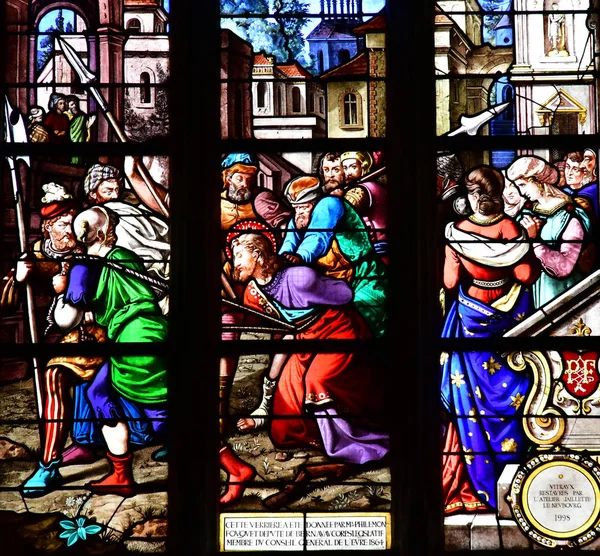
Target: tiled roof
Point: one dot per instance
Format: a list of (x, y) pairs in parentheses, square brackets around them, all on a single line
[(356, 66), (293, 70), (374, 25), (328, 29), (261, 60)]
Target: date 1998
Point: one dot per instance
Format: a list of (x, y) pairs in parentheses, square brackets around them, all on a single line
[(562, 517)]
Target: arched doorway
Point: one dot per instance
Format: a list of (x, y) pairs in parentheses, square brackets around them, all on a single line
[(502, 92), (53, 73)]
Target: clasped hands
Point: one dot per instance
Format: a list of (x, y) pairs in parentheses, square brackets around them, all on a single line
[(532, 225)]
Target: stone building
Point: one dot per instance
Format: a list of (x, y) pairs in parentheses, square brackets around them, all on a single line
[(145, 59), (549, 49), (287, 101), (236, 72), (472, 73), (356, 94), (331, 42), (146, 63)]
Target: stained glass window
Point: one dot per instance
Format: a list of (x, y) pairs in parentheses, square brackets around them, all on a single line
[(85, 243), (305, 443), (517, 263)]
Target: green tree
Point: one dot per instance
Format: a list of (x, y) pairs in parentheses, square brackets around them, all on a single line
[(277, 36)]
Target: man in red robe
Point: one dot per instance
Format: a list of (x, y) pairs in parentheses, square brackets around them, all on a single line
[(56, 120)]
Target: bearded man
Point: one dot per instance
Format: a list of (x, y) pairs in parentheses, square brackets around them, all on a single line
[(138, 228), (332, 174), (369, 198), (314, 392), (127, 308), (45, 262), (241, 200), (46, 268), (328, 232)]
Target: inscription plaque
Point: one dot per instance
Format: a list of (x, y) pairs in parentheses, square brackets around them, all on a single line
[(555, 499)]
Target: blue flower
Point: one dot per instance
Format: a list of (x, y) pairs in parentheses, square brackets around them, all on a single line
[(77, 529)]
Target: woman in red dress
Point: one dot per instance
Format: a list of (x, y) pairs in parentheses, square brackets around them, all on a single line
[(489, 259)]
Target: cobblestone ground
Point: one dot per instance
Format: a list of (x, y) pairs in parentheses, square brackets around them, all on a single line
[(138, 523)]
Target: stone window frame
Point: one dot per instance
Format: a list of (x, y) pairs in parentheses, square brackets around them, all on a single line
[(296, 90), (131, 27), (342, 110), (149, 86)]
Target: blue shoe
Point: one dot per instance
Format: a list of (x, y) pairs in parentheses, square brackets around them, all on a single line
[(45, 479), (162, 454)]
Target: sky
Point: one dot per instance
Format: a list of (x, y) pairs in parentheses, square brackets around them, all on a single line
[(49, 19), (369, 6)]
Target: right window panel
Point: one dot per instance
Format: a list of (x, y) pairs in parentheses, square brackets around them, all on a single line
[(517, 190)]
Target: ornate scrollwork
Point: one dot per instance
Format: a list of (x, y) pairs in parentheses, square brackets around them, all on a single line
[(580, 328), (566, 402), (543, 424)]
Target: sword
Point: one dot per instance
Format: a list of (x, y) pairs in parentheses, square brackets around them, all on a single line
[(16, 132), (88, 79)]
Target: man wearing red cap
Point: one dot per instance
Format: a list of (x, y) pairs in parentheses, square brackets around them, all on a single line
[(46, 268), (43, 264)]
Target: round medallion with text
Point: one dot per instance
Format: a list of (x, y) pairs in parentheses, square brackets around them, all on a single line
[(555, 499)]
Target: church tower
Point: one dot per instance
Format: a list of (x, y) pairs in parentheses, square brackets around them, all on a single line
[(331, 42), (146, 66), (145, 16)]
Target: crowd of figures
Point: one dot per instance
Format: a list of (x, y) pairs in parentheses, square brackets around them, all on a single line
[(528, 236), (313, 262), (309, 262), (100, 272), (64, 122)]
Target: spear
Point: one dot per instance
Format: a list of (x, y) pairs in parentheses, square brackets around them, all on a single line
[(89, 79), (471, 124), (16, 132)]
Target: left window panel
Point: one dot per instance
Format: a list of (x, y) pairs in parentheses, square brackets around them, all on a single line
[(85, 261)]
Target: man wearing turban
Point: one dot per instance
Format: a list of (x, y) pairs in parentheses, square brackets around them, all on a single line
[(327, 231), (138, 229)]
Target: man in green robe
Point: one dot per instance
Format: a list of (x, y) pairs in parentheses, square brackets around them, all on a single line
[(79, 125), (126, 306)]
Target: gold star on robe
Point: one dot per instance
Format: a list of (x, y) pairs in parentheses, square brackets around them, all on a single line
[(468, 458), (509, 445), (491, 366), (517, 400)]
